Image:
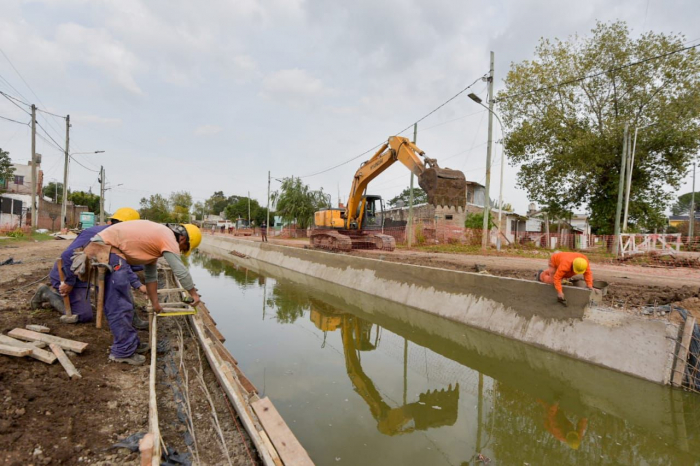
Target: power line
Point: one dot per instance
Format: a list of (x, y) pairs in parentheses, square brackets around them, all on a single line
[(403, 130), (12, 101), (47, 133), (49, 113), (86, 168), (611, 70), (14, 121)]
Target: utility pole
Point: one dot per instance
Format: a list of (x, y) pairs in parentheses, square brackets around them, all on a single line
[(267, 223), (248, 209), (65, 175), (35, 208), (630, 164), (620, 190), (691, 217), (102, 195), (487, 199), (410, 196)]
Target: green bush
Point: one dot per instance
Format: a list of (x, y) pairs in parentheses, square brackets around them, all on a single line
[(18, 233)]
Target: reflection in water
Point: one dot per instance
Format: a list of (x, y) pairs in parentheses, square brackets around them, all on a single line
[(561, 428), (438, 393), (435, 408)]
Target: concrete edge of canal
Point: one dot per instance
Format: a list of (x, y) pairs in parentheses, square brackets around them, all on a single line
[(522, 310)]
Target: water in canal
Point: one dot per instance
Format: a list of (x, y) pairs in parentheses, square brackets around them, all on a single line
[(367, 382)]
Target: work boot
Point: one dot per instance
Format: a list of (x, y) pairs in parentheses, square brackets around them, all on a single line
[(143, 348), (138, 322), (73, 319), (47, 294), (134, 359)]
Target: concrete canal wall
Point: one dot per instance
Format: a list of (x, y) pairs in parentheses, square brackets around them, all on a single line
[(522, 310)]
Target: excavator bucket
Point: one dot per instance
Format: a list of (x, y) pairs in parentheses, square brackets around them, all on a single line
[(444, 187)]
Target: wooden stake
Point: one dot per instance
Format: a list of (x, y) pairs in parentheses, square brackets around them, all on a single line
[(146, 449), (153, 427), (14, 351), (100, 296), (65, 362), (684, 347), (28, 335)]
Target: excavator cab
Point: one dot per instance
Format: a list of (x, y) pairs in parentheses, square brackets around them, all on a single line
[(373, 216)]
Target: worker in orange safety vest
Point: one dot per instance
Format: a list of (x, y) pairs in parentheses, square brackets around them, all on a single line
[(566, 265)]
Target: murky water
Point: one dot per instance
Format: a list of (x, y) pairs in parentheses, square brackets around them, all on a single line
[(363, 381)]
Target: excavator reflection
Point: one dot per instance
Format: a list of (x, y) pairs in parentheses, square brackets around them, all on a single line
[(435, 408)]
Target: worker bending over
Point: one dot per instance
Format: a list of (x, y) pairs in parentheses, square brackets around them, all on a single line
[(566, 265), (74, 288), (142, 242)]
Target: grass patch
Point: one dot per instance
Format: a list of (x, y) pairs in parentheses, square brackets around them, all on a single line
[(12, 237)]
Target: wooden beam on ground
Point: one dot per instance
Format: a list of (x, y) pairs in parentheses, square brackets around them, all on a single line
[(153, 427), (287, 445), (684, 347), (172, 290), (65, 362), (66, 344), (42, 355), (16, 351), (38, 328)]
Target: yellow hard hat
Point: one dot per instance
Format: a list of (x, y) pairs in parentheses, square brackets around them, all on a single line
[(125, 214), (573, 439), (580, 265), (195, 236)]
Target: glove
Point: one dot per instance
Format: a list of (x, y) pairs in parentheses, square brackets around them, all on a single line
[(79, 265)]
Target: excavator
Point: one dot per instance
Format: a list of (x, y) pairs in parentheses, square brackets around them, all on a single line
[(434, 408), (360, 225)]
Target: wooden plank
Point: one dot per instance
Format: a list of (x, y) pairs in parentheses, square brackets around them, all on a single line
[(66, 344), (287, 445), (38, 328), (171, 290), (65, 362), (146, 449), (8, 350), (42, 355), (153, 427), (682, 357)]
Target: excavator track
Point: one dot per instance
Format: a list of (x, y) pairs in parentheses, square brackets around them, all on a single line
[(330, 240), (381, 242)]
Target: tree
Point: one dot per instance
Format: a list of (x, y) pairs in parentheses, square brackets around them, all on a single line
[(6, 169), (419, 197), (567, 138), (295, 202), (682, 205), (216, 203), (476, 221), (155, 208), (199, 209), (54, 191), (181, 203), (92, 201)]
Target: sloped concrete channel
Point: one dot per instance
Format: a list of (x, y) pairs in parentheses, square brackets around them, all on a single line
[(521, 310)]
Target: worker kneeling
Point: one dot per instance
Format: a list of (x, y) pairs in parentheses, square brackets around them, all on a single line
[(566, 265), (72, 286), (141, 242)]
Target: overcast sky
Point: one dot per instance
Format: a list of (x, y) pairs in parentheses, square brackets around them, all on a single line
[(209, 95)]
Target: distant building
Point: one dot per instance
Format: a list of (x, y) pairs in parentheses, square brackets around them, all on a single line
[(678, 220), (21, 182)]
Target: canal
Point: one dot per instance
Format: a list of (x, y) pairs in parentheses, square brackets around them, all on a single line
[(363, 381)]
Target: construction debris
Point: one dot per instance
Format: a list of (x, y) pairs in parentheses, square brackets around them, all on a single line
[(28, 335), (36, 352), (10, 261), (14, 351), (65, 362), (38, 328)]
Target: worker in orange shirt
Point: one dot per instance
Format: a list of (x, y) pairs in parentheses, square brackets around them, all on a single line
[(566, 265)]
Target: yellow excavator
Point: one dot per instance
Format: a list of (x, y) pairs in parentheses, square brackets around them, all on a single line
[(361, 224), (435, 408)]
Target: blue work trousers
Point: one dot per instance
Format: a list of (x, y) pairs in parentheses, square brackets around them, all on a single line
[(119, 308)]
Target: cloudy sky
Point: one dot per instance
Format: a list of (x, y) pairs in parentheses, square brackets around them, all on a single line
[(210, 95)]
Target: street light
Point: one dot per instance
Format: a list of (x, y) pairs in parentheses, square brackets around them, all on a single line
[(478, 100), (65, 181)]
